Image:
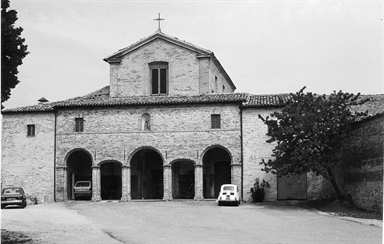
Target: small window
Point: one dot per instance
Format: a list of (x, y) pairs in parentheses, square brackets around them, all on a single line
[(30, 130), (159, 78), (216, 85), (79, 127), (223, 89), (215, 121)]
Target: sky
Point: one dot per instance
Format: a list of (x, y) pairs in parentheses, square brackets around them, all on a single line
[(266, 47)]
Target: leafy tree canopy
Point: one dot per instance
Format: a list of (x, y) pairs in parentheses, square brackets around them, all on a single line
[(13, 50), (308, 133)]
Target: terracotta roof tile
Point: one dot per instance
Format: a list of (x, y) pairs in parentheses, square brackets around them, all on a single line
[(101, 98), (276, 100)]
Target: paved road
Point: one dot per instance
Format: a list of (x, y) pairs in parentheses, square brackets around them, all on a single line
[(192, 222)]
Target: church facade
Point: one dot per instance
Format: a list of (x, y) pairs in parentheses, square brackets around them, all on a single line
[(168, 126)]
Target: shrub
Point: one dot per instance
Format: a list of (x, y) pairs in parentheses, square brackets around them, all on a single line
[(258, 190)]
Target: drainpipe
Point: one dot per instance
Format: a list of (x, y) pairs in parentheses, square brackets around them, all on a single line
[(241, 148), (54, 160)]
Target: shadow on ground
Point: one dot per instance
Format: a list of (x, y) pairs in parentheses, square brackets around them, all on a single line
[(13, 237)]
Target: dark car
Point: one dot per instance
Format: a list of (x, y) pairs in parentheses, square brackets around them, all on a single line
[(13, 196)]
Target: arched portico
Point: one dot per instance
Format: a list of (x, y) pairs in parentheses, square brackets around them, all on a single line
[(79, 168), (216, 170), (146, 174), (110, 180), (183, 179)]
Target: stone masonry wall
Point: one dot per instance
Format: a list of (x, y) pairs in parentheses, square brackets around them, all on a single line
[(256, 149), (177, 132), (221, 81), (361, 173), (29, 161), (133, 74)]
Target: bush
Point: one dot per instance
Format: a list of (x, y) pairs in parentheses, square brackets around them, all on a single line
[(258, 190)]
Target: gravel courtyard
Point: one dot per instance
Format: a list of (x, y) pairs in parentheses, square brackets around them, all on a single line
[(181, 222)]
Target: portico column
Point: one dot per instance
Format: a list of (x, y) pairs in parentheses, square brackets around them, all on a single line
[(126, 181), (167, 182), (199, 182), (61, 183), (96, 184), (236, 175)]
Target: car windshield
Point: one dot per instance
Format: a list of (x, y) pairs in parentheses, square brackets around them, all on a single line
[(83, 184), (12, 191), (229, 188)]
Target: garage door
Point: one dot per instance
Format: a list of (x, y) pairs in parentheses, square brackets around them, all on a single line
[(293, 187)]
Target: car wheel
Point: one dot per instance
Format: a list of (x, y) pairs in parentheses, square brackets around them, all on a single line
[(24, 205), (2, 206), (220, 204)]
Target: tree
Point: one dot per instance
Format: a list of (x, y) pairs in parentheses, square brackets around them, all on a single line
[(13, 51), (309, 132)]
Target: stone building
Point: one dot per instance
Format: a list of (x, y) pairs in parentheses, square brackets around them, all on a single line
[(168, 126)]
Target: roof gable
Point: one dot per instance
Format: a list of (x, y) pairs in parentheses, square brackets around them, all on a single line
[(116, 57)]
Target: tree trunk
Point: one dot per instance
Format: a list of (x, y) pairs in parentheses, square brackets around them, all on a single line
[(340, 196)]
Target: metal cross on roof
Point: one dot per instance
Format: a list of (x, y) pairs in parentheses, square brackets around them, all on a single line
[(159, 19)]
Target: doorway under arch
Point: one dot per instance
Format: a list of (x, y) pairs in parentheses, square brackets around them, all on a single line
[(147, 175), (216, 171), (79, 168), (110, 181), (183, 180)]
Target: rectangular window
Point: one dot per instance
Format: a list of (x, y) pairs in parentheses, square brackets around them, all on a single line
[(159, 78), (215, 121), (30, 130), (79, 127)]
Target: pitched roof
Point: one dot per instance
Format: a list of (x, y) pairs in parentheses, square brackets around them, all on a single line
[(273, 100), (101, 98)]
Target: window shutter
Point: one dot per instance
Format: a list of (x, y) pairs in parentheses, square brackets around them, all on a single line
[(163, 81), (155, 81)]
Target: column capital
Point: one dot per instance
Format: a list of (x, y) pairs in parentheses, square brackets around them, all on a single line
[(95, 167), (199, 165), (126, 166), (61, 167), (167, 166), (235, 165)]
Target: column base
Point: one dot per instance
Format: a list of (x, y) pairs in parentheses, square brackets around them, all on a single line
[(125, 198), (167, 198), (199, 198)]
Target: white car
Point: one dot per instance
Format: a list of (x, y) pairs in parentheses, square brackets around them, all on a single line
[(229, 194), (82, 189)]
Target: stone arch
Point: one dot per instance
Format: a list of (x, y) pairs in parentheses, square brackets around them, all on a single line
[(74, 150), (110, 179), (183, 159), (129, 158), (146, 167), (206, 149), (216, 161), (78, 168), (183, 178)]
